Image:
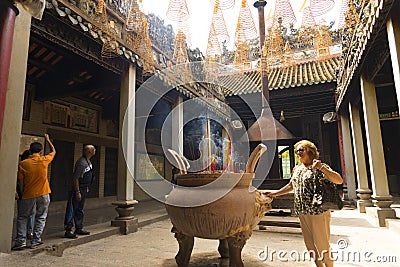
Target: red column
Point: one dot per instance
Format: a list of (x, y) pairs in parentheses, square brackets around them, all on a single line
[(8, 12)]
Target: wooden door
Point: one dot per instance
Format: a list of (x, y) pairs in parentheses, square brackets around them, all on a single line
[(61, 170)]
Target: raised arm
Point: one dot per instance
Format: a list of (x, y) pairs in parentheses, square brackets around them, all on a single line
[(330, 174), (52, 148)]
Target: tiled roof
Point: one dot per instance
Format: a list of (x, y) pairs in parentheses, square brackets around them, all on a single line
[(307, 73)]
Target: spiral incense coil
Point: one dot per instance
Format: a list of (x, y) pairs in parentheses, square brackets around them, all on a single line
[(245, 31), (223, 4), (308, 19), (321, 7), (177, 10), (213, 46), (342, 15), (144, 48), (183, 27), (219, 24), (245, 24), (109, 48), (283, 14)]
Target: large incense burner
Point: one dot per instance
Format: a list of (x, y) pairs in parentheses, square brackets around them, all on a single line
[(230, 218)]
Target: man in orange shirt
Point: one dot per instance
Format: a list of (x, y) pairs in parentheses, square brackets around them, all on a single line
[(35, 188)]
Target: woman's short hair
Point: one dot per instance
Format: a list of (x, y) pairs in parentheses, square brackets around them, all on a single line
[(310, 148)]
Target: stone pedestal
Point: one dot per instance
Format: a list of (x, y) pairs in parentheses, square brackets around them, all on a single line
[(125, 220), (364, 200), (362, 204), (381, 210), (378, 215)]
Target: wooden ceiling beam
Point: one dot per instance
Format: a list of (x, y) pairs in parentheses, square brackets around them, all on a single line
[(52, 90)]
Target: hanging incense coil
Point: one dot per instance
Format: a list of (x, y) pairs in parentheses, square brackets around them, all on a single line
[(213, 46), (245, 24), (109, 48), (218, 22), (308, 19), (144, 48), (245, 31), (223, 4), (283, 12), (321, 7), (177, 10), (145, 51), (180, 57), (183, 27), (342, 15)]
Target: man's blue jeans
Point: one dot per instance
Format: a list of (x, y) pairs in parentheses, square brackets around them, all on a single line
[(31, 219), (74, 211), (26, 208)]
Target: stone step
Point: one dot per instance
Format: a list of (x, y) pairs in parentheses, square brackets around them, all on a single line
[(55, 244), (279, 221)]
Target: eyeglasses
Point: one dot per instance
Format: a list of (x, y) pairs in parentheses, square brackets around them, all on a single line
[(300, 150)]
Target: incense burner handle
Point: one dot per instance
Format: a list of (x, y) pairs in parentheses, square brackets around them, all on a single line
[(185, 162), (179, 161), (254, 157)]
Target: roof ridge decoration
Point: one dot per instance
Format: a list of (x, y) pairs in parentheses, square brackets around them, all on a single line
[(134, 20), (323, 42), (273, 48)]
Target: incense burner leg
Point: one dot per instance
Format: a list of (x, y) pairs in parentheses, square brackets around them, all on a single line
[(185, 249), (236, 244), (223, 248)]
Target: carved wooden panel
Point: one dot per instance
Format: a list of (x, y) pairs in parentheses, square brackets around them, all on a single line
[(71, 116)]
